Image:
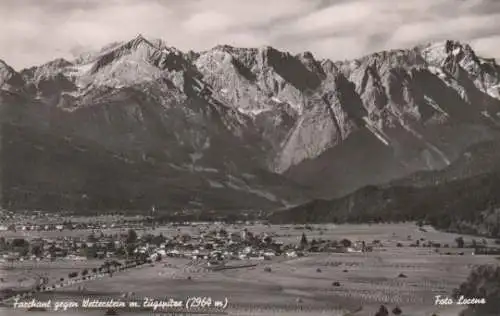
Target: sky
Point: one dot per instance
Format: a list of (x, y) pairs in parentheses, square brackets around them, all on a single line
[(33, 32)]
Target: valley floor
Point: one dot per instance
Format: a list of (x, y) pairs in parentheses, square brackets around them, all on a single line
[(406, 277)]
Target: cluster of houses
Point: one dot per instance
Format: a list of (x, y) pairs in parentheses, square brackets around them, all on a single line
[(39, 221), (220, 246), (73, 248), (21, 220), (214, 245), (66, 225)]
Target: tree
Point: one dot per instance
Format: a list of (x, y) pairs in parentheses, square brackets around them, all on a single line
[(3, 243), (90, 252), (460, 242), (483, 282), (106, 267), (19, 242), (120, 251), (223, 232), (303, 240), (131, 237), (158, 239), (52, 250), (21, 246), (209, 247), (91, 238), (382, 311), (116, 263), (346, 242), (36, 250), (110, 246), (130, 249), (147, 238)]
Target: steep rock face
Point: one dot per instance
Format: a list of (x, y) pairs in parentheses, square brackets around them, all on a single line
[(10, 80), (142, 104), (324, 124), (424, 104), (454, 56), (246, 80), (330, 126)]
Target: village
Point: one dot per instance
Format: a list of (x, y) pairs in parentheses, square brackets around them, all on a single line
[(215, 246), (39, 222), (188, 254), (108, 253)]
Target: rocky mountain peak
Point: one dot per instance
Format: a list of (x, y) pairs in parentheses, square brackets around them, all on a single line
[(450, 53), (139, 46), (9, 78), (437, 52), (459, 59), (239, 56), (407, 109), (6, 72), (50, 79), (129, 63), (48, 69)]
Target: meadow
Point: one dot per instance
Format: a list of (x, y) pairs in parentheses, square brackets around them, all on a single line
[(317, 284)]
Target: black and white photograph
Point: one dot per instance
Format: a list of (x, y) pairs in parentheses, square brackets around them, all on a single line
[(250, 157)]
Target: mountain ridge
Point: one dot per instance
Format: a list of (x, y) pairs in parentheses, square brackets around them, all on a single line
[(311, 123)]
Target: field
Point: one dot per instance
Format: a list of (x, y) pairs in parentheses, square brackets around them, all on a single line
[(304, 286), (24, 275)]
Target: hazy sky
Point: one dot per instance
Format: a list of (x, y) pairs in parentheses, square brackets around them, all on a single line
[(35, 31)]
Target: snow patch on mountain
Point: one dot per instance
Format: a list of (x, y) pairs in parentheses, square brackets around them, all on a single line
[(494, 91), (435, 106), (253, 112), (215, 184), (438, 71), (380, 135), (240, 185)]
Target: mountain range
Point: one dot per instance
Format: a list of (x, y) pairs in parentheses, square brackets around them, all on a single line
[(139, 123)]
